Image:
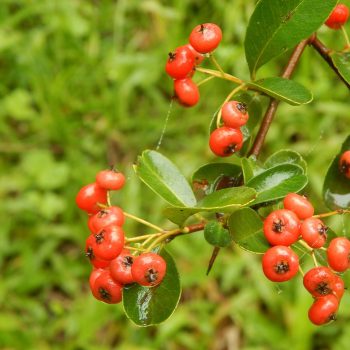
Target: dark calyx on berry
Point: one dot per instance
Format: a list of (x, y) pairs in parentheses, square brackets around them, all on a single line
[(242, 107), (281, 268), (100, 237), (128, 261), (323, 288), (104, 294), (322, 229), (172, 56), (231, 148), (151, 275), (90, 253), (277, 226), (202, 28)]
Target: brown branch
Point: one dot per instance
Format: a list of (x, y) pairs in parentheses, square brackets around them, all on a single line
[(325, 54), (271, 110)]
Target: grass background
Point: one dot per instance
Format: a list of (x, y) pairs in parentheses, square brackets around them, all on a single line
[(82, 86)]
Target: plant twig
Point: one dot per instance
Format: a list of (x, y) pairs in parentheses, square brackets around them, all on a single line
[(144, 222), (218, 74), (331, 213)]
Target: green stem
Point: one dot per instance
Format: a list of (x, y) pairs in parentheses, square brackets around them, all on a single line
[(218, 74), (216, 64), (331, 213), (205, 80), (346, 37), (144, 222)]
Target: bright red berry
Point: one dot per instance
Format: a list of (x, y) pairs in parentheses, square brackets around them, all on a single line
[(109, 242), (89, 196), (338, 287), (299, 205), (110, 179), (280, 263), (105, 217), (205, 37), (314, 232), (120, 267), (338, 254), (225, 141), (198, 58), (234, 114), (319, 281), (89, 252), (344, 164), (338, 17), (95, 273), (106, 289), (281, 227), (323, 310), (180, 62), (148, 269), (186, 92)]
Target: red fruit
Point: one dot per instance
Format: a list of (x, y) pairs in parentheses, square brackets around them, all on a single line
[(109, 243), (95, 273), (89, 252), (314, 232), (205, 37), (225, 141), (280, 263), (323, 310), (338, 254), (148, 269), (299, 205), (89, 223), (198, 58), (234, 114), (105, 217), (120, 267), (338, 17), (281, 227), (89, 196), (110, 180), (338, 287), (180, 62), (106, 289), (344, 164), (319, 281), (186, 92)]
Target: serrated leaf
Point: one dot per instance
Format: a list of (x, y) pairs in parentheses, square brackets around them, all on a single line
[(164, 178), (275, 183), (341, 61), (283, 90), (216, 235), (277, 26), (247, 230), (336, 187), (226, 200), (150, 306), (285, 156)]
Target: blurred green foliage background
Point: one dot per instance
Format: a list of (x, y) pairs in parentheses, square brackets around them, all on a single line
[(83, 86)]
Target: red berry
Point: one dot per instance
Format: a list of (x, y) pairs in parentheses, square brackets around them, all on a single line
[(106, 289), (281, 227), (148, 269), (120, 267), (338, 17), (109, 242), (319, 281), (280, 263), (205, 37), (95, 273), (314, 232), (198, 58), (105, 217), (186, 92), (338, 254), (299, 205), (344, 164), (225, 141), (110, 180), (89, 196), (323, 310), (338, 287), (89, 252), (180, 62), (234, 114)]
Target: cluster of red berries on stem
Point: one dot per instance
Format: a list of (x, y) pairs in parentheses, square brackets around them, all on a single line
[(113, 264), (296, 223)]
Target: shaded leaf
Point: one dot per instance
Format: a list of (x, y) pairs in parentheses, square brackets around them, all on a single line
[(216, 235), (341, 61), (286, 156), (250, 168)]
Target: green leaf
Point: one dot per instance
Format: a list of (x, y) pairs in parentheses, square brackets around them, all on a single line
[(277, 26), (226, 200), (286, 156), (250, 168), (336, 187), (277, 182), (164, 178), (149, 306), (341, 61), (216, 235), (283, 89), (246, 228)]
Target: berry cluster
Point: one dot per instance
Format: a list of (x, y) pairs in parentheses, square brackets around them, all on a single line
[(181, 63), (344, 164), (280, 263), (113, 264), (228, 138), (338, 17)]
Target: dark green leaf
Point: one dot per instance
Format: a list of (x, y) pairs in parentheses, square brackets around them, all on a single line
[(246, 228), (164, 178), (216, 235), (250, 168), (341, 61), (286, 156), (277, 26), (283, 89), (149, 306), (336, 187), (226, 200)]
